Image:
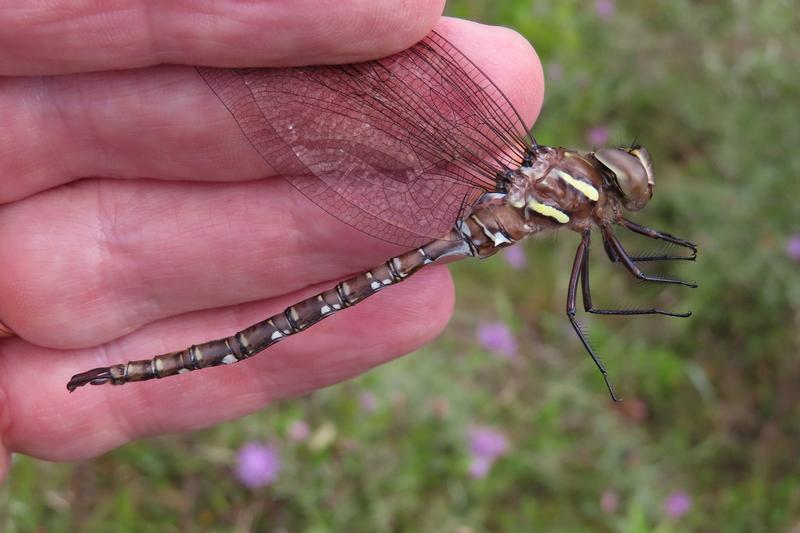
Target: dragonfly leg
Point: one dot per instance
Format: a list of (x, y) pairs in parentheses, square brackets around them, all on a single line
[(615, 246), (612, 256), (662, 236), (644, 258), (587, 296), (581, 257)]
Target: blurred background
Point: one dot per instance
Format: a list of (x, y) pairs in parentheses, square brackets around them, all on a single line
[(503, 423)]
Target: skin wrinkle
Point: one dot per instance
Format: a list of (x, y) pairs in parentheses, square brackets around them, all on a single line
[(156, 294), (377, 25), (98, 143), (150, 33), (20, 299), (101, 150), (63, 103), (90, 260), (114, 261), (47, 143), (185, 105), (224, 25), (152, 306), (55, 118), (84, 258)]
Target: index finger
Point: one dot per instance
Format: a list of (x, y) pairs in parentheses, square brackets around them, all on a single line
[(66, 36)]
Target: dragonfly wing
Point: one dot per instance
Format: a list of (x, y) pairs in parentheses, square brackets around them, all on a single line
[(397, 147)]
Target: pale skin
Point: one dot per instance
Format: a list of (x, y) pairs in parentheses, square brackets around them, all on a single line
[(100, 265)]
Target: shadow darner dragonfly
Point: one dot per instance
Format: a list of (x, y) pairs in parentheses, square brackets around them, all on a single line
[(421, 149)]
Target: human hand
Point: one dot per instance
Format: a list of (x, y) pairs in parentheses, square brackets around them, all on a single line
[(134, 219)]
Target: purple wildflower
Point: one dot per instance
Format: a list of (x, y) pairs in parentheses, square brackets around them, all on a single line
[(793, 248), (677, 504), (604, 8), (609, 501), (479, 467), (487, 442), (299, 431), (257, 465), (597, 136), (515, 257), (486, 445), (368, 402), (498, 339)]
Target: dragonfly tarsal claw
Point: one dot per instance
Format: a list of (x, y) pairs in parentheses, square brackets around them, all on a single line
[(614, 396), (685, 314)]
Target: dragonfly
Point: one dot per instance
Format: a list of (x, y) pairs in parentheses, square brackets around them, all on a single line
[(423, 150)]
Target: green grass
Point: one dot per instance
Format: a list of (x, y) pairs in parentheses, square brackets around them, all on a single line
[(712, 89)]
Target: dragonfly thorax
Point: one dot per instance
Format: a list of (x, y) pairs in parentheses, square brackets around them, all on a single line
[(561, 188)]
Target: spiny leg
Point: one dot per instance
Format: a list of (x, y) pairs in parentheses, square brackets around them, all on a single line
[(577, 267), (587, 294), (662, 236), (643, 258), (616, 248)]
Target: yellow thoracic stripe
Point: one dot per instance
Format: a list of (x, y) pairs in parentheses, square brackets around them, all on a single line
[(546, 210), (588, 190)]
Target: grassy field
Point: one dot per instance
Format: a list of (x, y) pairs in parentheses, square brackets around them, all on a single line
[(464, 437)]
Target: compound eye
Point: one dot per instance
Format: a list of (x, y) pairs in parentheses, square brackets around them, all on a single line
[(632, 177)]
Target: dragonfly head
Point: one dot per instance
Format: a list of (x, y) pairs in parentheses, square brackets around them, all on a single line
[(631, 172)]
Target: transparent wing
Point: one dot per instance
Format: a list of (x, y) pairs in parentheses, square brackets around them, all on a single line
[(397, 147)]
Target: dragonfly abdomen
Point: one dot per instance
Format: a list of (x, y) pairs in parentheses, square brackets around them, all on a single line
[(291, 320)]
